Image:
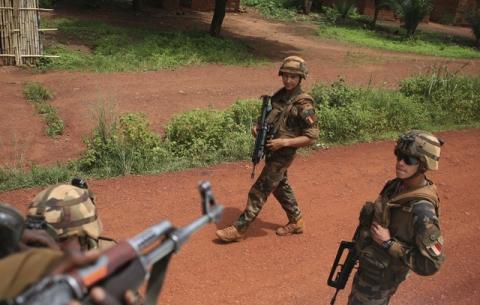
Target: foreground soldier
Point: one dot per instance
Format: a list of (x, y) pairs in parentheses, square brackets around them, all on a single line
[(69, 214), (400, 231), (294, 125)]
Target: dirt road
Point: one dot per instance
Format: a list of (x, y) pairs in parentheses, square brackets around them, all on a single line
[(161, 94), (331, 186)]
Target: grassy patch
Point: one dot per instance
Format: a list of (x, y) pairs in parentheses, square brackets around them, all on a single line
[(286, 10), (39, 96), (126, 144), (96, 46), (394, 39)]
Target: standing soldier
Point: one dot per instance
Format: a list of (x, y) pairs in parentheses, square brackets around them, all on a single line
[(294, 125), (68, 213), (400, 231)]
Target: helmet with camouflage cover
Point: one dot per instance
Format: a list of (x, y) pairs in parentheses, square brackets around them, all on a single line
[(422, 145), (68, 211), (294, 65), (11, 229)]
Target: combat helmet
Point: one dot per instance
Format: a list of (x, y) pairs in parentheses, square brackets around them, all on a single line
[(67, 210), (294, 65), (422, 145), (11, 229)]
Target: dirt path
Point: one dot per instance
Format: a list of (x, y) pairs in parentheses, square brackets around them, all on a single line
[(162, 94), (331, 186)]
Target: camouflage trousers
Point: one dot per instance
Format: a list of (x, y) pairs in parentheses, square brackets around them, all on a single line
[(272, 179), (365, 292)]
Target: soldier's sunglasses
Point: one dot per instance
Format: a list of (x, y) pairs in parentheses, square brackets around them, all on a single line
[(409, 160)]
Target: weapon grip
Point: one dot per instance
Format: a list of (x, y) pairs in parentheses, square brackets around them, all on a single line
[(339, 279)]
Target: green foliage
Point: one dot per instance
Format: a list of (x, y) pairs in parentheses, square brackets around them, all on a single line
[(47, 3), (344, 7), (279, 9), (35, 176), (411, 12), (121, 146), (451, 99), (36, 93), (124, 145), (39, 96), (389, 38), (112, 48)]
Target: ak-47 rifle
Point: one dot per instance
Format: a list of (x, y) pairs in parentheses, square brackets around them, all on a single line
[(124, 266), (263, 131)]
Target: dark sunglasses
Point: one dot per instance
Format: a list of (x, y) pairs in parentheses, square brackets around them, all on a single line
[(409, 160)]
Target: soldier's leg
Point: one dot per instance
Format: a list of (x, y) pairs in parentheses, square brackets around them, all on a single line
[(285, 196), (269, 179), (366, 293)]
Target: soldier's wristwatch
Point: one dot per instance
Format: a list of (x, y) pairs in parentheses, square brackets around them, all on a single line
[(387, 244)]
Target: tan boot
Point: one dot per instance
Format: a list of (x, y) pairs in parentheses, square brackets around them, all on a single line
[(291, 228), (230, 234)]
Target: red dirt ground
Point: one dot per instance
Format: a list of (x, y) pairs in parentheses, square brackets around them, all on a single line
[(331, 186), (161, 94)]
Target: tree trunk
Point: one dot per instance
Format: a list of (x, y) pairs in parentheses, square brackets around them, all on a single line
[(375, 14), (307, 6), (218, 15), (137, 5)]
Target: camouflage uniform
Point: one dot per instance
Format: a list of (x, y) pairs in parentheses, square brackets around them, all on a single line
[(416, 244), (292, 115)]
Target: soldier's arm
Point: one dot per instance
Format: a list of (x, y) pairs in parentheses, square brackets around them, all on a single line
[(426, 257), (308, 119)]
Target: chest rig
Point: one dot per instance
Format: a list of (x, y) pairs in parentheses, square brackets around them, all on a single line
[(394, 209), (283, 111)]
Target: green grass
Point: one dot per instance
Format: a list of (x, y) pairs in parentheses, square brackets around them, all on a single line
[(425, 43), (39, 96), (107, 48)]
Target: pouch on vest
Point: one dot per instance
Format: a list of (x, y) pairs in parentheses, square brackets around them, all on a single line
[(373, 264)]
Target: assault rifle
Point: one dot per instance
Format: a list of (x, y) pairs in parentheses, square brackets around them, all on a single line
[(340, 272), (124, 266), (263, 132)]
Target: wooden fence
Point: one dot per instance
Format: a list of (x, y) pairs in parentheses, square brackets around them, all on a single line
[(20, 34)]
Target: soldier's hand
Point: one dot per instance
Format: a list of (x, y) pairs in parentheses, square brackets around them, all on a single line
[(379, 233), (100, 297), (254, 131), (37, 238), (276, 144)]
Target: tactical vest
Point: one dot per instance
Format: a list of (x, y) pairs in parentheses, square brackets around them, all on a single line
[(279, 118), (395, 213)]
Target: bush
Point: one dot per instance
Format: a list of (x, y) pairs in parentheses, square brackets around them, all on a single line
[(120, 146), (338, 94), (344, 7), (474, 20), (411, 12)]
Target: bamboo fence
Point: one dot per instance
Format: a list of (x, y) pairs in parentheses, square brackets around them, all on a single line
[(20, 35)]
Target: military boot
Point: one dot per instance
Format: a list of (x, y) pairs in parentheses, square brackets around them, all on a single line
[(293, 227), (230, 234)]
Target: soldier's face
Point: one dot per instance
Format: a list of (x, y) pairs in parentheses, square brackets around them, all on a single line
[(290, 81), (406, 167)]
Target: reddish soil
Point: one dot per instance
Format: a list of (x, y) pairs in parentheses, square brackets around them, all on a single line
[(331, 186), (161, 94)]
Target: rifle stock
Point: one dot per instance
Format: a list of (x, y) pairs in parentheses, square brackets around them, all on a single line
[(340, 272), (124, 266)]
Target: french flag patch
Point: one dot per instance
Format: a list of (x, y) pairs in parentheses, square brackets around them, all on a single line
[(436, 248)]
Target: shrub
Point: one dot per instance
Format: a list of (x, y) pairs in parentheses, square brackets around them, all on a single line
[(344, 7), (474, 20), (411, 12), (338, 94), (121, 146)]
